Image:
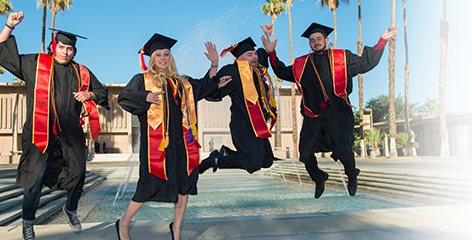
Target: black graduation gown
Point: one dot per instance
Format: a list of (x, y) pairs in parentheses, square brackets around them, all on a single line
[(252, 152), (332, 130), (150, 187), (67, 172)]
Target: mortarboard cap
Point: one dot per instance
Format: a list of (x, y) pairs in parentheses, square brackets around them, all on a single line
[(156, 42), (66, 38), (315, 27), (240, 48)]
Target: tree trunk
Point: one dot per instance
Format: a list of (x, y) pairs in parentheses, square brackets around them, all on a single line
[(294, 106), (407, 74), (335, 28), (391, 70), (360, 79), (43, 36), (278, 128), (386, 146), (53, 23), (442, 86)]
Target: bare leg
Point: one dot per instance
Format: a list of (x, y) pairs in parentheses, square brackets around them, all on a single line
[(179, 210), (132, 209)]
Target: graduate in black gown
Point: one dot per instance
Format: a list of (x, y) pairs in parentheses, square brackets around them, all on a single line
[(324, 78), (165, 105), (53, 141), (253, 111)]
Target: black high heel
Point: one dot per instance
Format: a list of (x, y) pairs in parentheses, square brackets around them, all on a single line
[(171, 225), (117, 225)]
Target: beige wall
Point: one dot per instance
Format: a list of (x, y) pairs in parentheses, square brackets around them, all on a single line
[(214, 118), (213, 121)]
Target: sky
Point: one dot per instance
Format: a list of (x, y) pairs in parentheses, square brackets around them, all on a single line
[(117, 29)]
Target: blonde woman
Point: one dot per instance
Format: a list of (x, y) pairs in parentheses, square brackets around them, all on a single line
[(165, 105)]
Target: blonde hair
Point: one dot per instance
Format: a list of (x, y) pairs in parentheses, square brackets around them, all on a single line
[(159, 75)]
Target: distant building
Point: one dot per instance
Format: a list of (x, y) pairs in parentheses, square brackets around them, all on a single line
[(120, 130)]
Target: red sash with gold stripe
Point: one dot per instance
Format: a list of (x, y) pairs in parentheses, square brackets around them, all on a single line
[(157, 139), (339, 73), (251, 99), (90, 106), (189, 127), (298, 70), (337, 59), (44, 72), (156, 134), (157, 158)]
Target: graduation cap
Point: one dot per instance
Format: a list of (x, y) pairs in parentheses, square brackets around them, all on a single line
[(315, 27), (66, 38), (239, 48), (156, 42)]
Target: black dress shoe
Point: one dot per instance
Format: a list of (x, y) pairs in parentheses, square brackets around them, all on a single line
[(171, 226), (352, 187), (320, 186), (117, 225), (209, 162)]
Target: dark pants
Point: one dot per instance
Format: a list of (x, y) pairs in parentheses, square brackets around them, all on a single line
[(258, 156), (313, 136), (31, 198)]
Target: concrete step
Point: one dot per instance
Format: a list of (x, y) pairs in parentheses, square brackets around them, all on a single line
[(445, 189), (11, 208)]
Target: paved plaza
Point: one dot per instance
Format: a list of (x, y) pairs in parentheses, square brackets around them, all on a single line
[(450, 221)]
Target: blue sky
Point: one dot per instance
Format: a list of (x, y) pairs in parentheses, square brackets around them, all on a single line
[(117, 29)]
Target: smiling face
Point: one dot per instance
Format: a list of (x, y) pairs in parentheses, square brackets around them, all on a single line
[(250, 56), (162, 58), (318, 42), (64, 53)]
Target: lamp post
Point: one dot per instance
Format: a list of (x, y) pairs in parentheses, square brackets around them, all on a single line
[(373, 154)]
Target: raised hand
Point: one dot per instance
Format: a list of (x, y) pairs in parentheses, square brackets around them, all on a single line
[(212, 54), (15, 18), (224, 80), (268, 28), (268, 45), (388, 34)]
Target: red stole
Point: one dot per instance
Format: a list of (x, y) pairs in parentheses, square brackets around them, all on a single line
[(44, 73), (251, 99), (157, 130), (42, 98), (337, 58), (189, 127), (90, 107)]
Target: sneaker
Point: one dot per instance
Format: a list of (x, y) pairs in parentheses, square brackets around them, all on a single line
[(74, 222), (28, 231), (320, 186)]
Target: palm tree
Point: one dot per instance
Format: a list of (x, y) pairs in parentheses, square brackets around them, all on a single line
[(442, 86), (430, 108), (292, 85), (391, 72), (43, 4), (273, 8), (407, 73), (333, 5), (56, 6), (377, 139), (5, 9), (405, 141), (360, 79)]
